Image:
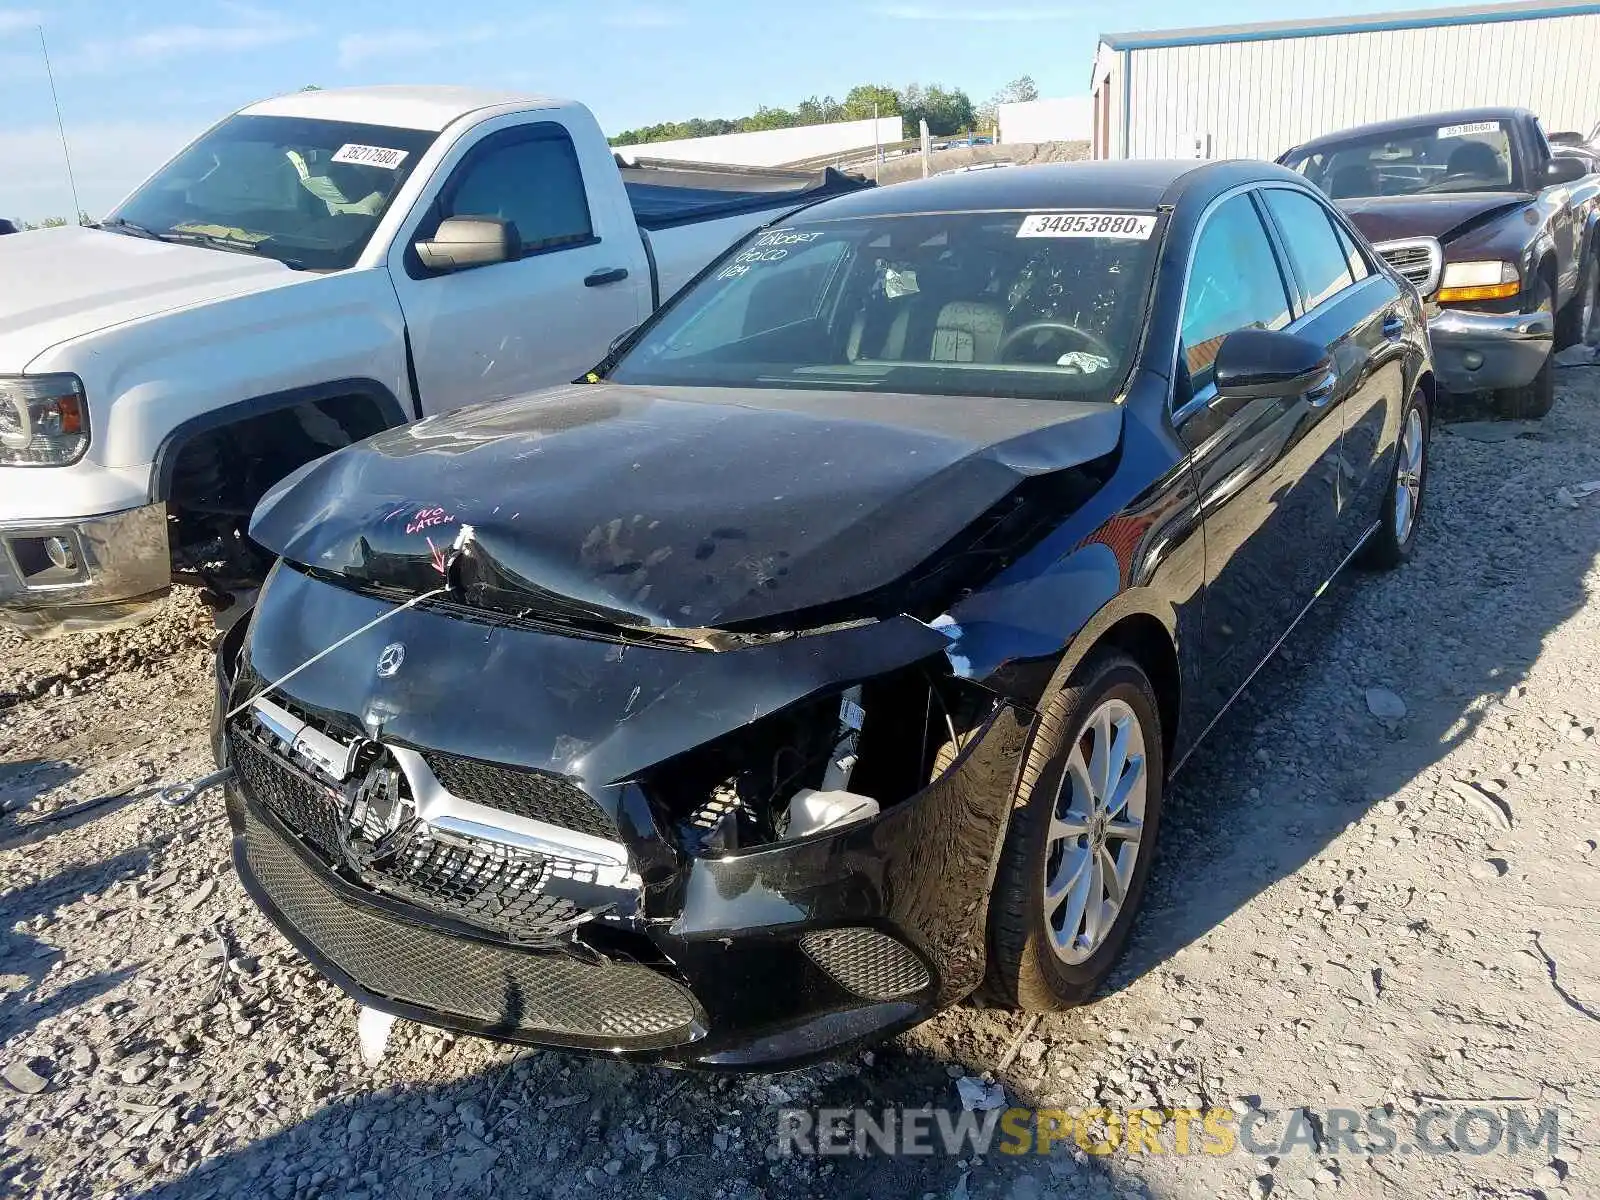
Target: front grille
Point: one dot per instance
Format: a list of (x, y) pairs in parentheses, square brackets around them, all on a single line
[(523, 793), (1417, 259), (500, 893), (499, 988), (499, 890), (309, 808), (867, 962)]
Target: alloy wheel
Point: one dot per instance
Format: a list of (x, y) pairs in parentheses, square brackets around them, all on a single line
[(1408, 477), (1096, 828)]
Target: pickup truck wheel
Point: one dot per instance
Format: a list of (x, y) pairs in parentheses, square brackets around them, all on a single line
[(1575, 322), (1534, 399), (1078, 850)]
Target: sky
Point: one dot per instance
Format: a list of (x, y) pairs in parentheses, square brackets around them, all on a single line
[(138, 80)]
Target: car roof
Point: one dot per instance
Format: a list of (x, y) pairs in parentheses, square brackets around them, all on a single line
[(1136, 184), (405, 106), (1455, 116)]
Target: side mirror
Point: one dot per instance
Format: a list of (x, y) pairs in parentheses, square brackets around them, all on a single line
[(1564, 168), (462, 243), (1255, 364), (616, 342)]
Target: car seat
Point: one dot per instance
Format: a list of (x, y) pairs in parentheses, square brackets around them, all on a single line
[(1475, 159), (1356, 179)]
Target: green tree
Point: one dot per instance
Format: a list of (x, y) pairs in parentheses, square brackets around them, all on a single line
[(768, 118), (947, 110), (859, 101)]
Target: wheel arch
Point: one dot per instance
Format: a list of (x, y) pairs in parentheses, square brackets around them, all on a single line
[(1429, 386), (1147, 633), (372, 406), (1546, 267)]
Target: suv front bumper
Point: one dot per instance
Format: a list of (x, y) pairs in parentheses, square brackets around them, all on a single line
[(1485, 352), (83, 573)]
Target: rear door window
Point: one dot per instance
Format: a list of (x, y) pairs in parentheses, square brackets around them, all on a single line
[(1320, 263)]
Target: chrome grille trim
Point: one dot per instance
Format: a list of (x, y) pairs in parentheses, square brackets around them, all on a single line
[(1420, 260), (446, 815)]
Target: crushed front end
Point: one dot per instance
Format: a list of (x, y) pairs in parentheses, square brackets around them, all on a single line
[(736, 857)]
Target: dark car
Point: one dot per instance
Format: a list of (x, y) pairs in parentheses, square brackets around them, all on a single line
[(823, 657), (7, 227), (1496, 229)]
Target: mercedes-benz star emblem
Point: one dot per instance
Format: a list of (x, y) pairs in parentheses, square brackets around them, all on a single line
[(389, 661)]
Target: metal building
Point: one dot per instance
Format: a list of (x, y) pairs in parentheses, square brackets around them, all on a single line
[(1255, 90)]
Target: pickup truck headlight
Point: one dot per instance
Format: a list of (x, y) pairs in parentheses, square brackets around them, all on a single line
[(1478, 281), (44, 420)]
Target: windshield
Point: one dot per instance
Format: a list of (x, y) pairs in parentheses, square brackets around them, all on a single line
[(307, 193), (1472, 156), (1041, 305)]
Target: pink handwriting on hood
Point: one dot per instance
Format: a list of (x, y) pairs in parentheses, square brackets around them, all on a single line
[(427, 518)]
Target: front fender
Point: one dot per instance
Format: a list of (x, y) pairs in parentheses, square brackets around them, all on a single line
[(149, 377)]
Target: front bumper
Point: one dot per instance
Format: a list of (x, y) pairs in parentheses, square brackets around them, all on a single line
[(757, 959), (1484, 352), (85, 573), (773, 958)]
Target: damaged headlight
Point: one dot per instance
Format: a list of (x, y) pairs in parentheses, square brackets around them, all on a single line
[(44, 420), (818, 766)]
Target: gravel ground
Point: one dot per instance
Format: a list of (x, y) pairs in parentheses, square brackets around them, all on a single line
[(1347, 911)]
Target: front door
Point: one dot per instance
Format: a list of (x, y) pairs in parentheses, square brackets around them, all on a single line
[(541, 320), (1266, 468)]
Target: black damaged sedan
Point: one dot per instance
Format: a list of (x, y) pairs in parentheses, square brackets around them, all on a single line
[(823, 657)]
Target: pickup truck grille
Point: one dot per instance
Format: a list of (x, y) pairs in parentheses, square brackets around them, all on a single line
[(1419, 259)]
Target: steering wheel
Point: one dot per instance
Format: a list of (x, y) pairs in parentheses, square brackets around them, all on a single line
[(1060, 328)]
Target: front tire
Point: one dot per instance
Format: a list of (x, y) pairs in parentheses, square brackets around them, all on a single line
[(1396, 535), (1575, 322), (1077, 854)]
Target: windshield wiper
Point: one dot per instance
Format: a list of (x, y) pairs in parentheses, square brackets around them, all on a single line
[(123, 225), (216, 241), (181, 237)]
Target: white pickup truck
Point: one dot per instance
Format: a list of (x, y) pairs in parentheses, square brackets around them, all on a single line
[(313, 269)]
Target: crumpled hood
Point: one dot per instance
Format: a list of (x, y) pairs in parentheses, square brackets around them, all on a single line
[(58, 284), (1384, 218), (674, 508)]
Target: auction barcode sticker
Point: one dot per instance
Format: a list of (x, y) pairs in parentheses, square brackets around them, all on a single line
[(1136, 226), (371, 156), (1452, 131)]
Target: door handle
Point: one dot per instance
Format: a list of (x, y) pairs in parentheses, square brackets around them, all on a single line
[(1321, 393), (608, 275), (1394, 327)]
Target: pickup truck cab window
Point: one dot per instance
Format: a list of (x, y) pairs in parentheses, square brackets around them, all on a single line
[(527, 176), (1234, 283), (955, 304), (306, 192), (1469, 156), (1319, 262)]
